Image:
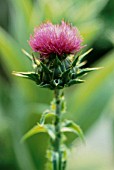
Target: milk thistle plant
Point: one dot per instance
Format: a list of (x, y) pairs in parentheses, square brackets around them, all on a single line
[(56, 65)]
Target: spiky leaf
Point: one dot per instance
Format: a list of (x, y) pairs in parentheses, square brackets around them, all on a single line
[(75, 61), (45, 86), (46, 69), (27, 54), (74, 81), (86, 70), (57, 62), (83, 55), (28, 75), (65, 75)]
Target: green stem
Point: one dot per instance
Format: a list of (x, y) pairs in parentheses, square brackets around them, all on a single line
[(57, 161)]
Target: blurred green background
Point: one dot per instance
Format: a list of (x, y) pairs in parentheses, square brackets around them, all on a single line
[(89, 104)]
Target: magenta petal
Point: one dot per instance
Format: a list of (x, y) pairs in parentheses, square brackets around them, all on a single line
[(56, 39)]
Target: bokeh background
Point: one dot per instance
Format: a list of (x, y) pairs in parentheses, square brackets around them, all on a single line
[(91, 104)]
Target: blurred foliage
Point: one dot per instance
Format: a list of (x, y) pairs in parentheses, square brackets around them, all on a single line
[(22, 102)]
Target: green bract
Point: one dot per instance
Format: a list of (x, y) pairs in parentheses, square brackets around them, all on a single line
[(55, 73)]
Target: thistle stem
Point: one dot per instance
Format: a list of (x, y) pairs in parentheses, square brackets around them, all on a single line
[(57, 159)]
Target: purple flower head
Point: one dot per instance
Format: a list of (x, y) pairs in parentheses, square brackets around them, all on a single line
[(61, 39)]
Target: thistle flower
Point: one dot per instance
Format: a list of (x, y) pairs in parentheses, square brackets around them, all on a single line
[(61, 40), (56, 68)]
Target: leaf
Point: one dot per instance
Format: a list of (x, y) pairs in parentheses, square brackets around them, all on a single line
[(36, 129), (40, 128), (50, 130), (45, 86), (65, 75), (57, 62), (46, 70), (75, 61), (27, 54), (83, 55), (29, 75), (35, 60), (70, 126), (75, 81), (86, 70), (81, 64), (47, 114), (52, 115)]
